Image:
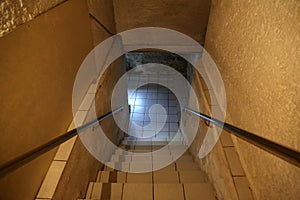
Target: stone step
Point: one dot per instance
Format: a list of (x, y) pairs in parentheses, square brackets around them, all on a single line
[(149, 191), (183, 166), (134, 191), (165, 157), (111, 177), (165, 151), (160, 139), (144, 143), (149, 165), (151, 143), (192, 176), (156, 166), (159, 136), (199, 191), (160, 176), (124, 160), (181, 179), (166, 191), (166, 177), (142, 158), (156, 139), (105, 191)]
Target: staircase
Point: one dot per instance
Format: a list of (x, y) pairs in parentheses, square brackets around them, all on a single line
[(181, 180)]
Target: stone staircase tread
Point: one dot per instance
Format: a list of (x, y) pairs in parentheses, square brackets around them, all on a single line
[(156, 191), (132, 191), (165, 177), (107, 191), (160, 176), (143, 158), (182, 179), (170, 167), (163, 151), (183, 166), (139, 177), (185, 158), (199, 191), (193, 176), (89, 190), (97, 190), (112, 177), (163, 191)]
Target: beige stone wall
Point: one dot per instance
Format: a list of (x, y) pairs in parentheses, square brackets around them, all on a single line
[(39, 61), (189, 17), (103, 99), (215, 163), (16, 12), (82, 167), (256, 45), (103, 26), (103, 11)]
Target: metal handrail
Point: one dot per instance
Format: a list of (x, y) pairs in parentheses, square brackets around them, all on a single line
[(290, 155), (21, 160)]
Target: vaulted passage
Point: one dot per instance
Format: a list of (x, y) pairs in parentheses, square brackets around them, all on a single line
[(182, 100)]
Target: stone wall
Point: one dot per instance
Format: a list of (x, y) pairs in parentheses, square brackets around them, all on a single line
[(15, 13), (187, 17), (215, 163), (256, 47), (39, 61), (81, 167)]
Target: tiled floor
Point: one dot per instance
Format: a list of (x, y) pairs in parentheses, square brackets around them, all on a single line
[(155, 112)]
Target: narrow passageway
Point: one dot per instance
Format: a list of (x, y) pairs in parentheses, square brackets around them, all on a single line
[(90, 111), (153, 161), (155, 111)]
